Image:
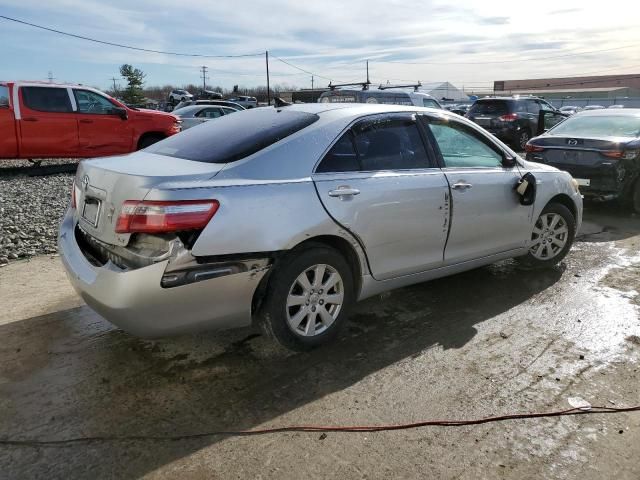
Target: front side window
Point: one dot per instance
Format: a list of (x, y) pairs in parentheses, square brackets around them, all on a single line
[(460, 147), (46, 99), (92, 103)]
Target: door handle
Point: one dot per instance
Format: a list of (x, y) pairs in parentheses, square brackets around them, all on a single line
[(344, 192), (461, 186), (85, 120), (30, 119)]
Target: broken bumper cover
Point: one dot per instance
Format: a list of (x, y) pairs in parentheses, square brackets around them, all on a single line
[(135, 301)]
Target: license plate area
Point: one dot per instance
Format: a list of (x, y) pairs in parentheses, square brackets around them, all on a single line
[(91, 211), (583, 182)]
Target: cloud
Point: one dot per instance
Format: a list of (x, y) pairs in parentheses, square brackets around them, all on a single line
[(493, 20)]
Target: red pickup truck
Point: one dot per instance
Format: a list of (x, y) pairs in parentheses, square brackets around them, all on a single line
[(40, 120)]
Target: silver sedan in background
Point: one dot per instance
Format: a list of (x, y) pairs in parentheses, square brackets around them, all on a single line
[(197, 114), (287, 216)]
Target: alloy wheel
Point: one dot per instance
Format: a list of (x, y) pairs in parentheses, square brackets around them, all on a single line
[(315, 300), (549, 237)]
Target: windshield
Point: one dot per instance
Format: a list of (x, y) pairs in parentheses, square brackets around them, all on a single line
[(233, 137), (490, 107), (599, 126)]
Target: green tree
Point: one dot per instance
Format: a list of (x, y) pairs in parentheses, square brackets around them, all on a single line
[(133, 94)]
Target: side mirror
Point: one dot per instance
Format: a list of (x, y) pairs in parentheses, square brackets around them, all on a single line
[(508, 161), (121, 112), (548, 119)]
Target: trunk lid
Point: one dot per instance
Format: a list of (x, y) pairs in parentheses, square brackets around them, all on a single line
[(103, 185), (566, 152)]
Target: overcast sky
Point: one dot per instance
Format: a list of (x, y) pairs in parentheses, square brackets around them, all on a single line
[(333, 39)]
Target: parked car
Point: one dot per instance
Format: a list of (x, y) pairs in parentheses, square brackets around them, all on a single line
[(224, 103), (43, 120), (601, 149), (616, 106), (209, 94), (246, 102), (513, 120), (179, 96), (197, 114), (388, 96), (460, 109), (289, 215), (570, 109), (594, 107)]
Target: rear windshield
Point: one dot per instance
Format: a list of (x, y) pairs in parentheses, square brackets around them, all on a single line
[(490, 107), (599, 126), (234, 137)]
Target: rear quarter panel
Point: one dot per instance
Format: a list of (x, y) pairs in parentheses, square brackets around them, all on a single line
[(8, 136), (261, 217)]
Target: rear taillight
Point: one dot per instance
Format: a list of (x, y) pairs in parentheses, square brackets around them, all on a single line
[(160, 216), (624, 154), (509, 117), (533, 148)]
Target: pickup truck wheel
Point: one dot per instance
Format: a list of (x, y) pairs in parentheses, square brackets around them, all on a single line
[(307, 299), (148, 140), (551, 238)]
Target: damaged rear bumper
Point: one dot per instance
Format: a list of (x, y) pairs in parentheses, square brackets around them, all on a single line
[(211, 297)]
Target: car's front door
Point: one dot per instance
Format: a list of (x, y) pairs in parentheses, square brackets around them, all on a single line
[(101, 130), (48, 125), (378, 182), (487, 217)]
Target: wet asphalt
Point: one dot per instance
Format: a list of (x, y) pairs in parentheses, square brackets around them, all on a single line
[(495, 340)]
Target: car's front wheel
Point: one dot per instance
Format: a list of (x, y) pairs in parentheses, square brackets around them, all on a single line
[(307, 298), (552, 236)]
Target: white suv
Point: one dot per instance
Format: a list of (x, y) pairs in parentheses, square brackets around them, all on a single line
[(246, 102), (179, 96)]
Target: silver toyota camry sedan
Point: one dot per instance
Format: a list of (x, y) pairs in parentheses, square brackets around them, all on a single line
[(286, 217)]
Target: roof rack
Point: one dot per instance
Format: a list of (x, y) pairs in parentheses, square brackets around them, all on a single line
[(415, 86), (364, 85)]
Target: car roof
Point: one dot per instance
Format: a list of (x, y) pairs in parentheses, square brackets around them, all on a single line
[(606, 112), (358, 109)]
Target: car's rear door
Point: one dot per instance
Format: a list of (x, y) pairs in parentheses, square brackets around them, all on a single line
[(101, 131), (48, 124), (378, 182), (487, 217)]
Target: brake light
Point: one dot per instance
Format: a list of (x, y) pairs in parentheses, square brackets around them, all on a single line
[(509, 117), (529, 148), (161, 216), (625, 154), (612, 153)]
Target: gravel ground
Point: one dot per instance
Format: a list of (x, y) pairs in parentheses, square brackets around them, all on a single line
[(30, 210)]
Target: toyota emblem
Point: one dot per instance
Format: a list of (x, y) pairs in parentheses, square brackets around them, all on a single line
[(85, 182), (573, 142)]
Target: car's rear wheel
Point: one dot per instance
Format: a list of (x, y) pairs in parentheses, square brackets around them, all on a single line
[(307, 298), (552, 236), (148, 140), (635, 196), (523, 137)]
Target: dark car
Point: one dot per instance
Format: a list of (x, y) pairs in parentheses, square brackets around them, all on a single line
[(511, 119), (600, 149), (209, 95), (460, 109)]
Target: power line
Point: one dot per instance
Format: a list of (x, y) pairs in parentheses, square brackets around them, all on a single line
[(301, 69), (120, 45)]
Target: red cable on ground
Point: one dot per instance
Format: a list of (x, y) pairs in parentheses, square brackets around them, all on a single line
[(318, 428)]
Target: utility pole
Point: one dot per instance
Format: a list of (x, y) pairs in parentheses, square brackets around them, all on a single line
[(311, 82), (266, 57), (115, 88), (203, 75), (367, 71), (50, 77)]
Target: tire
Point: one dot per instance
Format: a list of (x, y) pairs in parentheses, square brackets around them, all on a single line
[(148, 140), (635, 197), (523, 137), (552, 237), (291, 313)]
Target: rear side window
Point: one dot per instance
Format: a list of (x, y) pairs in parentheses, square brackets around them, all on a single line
[(46, 99), (490, 107), (233, 137), (427, 102), (384, 143)]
